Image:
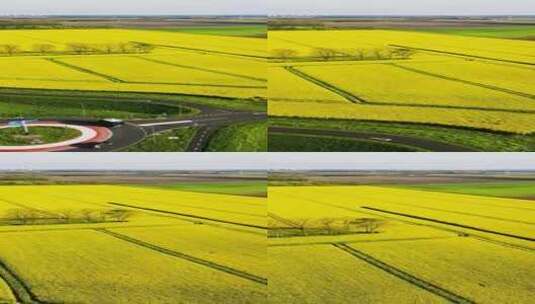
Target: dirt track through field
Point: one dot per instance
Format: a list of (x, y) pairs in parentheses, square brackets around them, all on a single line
[(189, 215), (478, 84), (348, 96), (283, 220), (200, 69), (462, 55), (467, 213), (20, 290), (435, 289), (86, 71), (524, 238), (443, 228), (219, 267)]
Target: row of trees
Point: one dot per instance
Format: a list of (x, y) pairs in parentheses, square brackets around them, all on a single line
[(327, 54), (79, 48), (326, 226), (67, 216)]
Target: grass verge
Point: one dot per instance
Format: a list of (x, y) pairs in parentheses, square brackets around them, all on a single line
[(304, 143), (247, 188), (513, 189), (475, 139), (176, 140), (36, 135), (246, 137)]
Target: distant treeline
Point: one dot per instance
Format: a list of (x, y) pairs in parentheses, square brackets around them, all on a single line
[(67, 216), (327, 54), (77, 48)]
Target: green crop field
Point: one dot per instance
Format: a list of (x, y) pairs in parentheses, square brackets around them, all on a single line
[(412, 82), (514, 189), (251, 188), (383, 244), (514, 32), (236, 30), (248, 137), (36, 135), (67, 244)]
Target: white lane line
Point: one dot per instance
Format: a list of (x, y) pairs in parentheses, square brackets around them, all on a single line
[(180, 122)]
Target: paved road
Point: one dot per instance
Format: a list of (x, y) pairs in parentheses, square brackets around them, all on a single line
[(133, 132), (422, 143), (207, 125)]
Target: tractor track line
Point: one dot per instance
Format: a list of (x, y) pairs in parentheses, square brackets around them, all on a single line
[(20, 205), (19, 289), (481, 85), (448, 229), (180, 255), (84, 70), (210, 51), (199, 84), (189, 215), (200, 69), (462, 55), (283, 220), (468, 214), (348, 96), (435, 289), (327, 242), (451, 224)]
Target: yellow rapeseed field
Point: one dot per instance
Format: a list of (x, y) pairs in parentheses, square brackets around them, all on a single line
[(324, 274), (421, 250), (102, 59), (485, 272), (67, 247), (448, 80)]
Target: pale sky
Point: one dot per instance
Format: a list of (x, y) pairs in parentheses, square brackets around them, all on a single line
[(262, 7), (401, 7), (402, 161), (263, 161), (128, 7), (133, 161)]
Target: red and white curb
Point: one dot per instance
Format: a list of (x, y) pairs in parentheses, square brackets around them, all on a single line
[(89, 134)]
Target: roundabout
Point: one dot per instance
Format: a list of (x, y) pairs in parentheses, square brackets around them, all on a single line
[(49, 136)]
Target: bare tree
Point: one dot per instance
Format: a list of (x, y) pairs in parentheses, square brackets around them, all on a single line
[(120, 215), (325, 53), (10, 49), (403, 53), (108, 48), (378, 53), (301, 224), (371, 225), (141, 47), (327, 224), (44, 48), (125, 47), (78, 48), (360, 54), (66, 215), (88, 215), (284, 53), (18, 216)]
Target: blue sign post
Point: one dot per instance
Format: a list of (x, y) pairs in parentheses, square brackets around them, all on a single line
[(21, 123)]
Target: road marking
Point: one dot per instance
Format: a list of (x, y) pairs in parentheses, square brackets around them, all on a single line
[(167, 123)]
